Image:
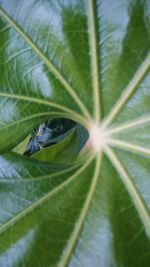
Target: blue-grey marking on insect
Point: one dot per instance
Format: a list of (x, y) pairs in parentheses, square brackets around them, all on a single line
[(47, 133)]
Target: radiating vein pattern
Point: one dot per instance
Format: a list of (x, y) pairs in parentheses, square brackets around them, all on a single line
[(49, 64), (86, 61), (39, 202), (47, 103), (129, 90), (132, 190), (75, 235)]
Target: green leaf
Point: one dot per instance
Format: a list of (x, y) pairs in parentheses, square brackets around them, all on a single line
[(87, 61), (50, 153), (21, 148)]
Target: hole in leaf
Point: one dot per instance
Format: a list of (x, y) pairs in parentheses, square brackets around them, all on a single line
[(49, 133)]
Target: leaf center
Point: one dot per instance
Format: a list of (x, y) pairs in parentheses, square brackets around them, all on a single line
[(97, 137)]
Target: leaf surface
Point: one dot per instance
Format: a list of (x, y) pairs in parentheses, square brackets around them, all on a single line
[(87, 61)]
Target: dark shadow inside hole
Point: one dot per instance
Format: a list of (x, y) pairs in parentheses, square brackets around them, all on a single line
[(48, 133)]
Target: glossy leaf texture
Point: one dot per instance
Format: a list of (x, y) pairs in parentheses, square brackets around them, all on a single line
[(87, 61)]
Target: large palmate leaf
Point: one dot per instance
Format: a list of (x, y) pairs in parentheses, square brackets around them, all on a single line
[(87, 61)]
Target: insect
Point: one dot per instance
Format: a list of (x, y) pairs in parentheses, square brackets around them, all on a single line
[(46, 134)]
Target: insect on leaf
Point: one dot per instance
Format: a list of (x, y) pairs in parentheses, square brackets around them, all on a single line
[(87, 61)]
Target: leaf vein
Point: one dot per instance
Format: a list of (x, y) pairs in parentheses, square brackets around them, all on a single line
[(43, 199), (128, 146), (94, 58), (128, 91), (73, 239), (75, 115), (47, 61), (132, 190)]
